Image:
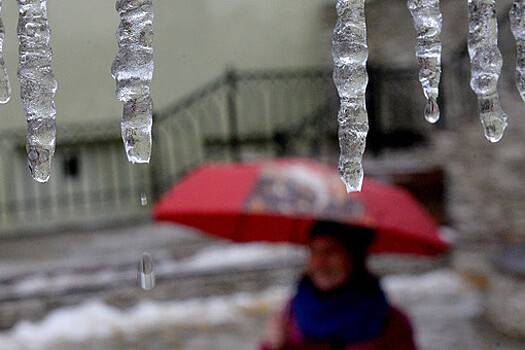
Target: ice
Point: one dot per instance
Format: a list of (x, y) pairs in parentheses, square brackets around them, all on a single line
[(350, 54), (5, 87), (133, 70), (428, 21), (37, 85), (143, 199), (486, 62), (517, 23), (146, 275)]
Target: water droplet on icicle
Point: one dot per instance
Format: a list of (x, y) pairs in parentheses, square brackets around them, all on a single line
[(493, 118), (432, 111), (428, 24), (146, 274)]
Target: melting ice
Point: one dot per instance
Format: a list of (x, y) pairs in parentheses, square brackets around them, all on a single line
[(37, 85), (133, 70), (350, 54), (146, 275), (143, 199), (428, 22), (5, 87), (517, 23), (486, 62)]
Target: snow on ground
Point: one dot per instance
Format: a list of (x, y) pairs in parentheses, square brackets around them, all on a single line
[(444, 287), (442, 308), (235, 255), (435, 300), (211, 258), (95, 319)]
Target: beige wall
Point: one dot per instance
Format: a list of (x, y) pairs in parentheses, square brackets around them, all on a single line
[(195, 41)]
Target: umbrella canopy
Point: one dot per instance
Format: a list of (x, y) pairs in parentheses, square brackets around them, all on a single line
[(279, 200)]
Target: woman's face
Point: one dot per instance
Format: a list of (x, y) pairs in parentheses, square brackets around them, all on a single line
[(329, 265)]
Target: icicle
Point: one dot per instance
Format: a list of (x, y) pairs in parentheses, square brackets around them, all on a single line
[(133, 71), (486, 62), (427, 21), (517, 23), (146, 275), (38, 85), (5, 87), (350, 54)]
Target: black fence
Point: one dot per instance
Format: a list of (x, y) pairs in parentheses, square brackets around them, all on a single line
[(242, 115)]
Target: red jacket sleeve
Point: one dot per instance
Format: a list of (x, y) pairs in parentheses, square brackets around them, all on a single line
[(399, 334)]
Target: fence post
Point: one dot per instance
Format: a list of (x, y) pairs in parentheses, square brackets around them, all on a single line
[(233, 118)]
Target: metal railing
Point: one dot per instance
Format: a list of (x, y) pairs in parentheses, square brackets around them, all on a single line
[(240, 116)]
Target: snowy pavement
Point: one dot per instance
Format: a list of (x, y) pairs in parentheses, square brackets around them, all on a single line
[(445, 311), (215, 258), (79, 292), (103, 265)]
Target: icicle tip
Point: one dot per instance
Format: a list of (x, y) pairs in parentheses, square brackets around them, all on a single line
[(352, 177), (353, 187), (432, 113), (495, 130), (39, 162)]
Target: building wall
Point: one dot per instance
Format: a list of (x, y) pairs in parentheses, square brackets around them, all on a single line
[(486, 192), (195, 40), (91, 182)]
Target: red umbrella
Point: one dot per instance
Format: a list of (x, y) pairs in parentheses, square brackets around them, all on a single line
[(278, 201)]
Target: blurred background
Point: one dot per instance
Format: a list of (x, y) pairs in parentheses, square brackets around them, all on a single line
[(240, 80)]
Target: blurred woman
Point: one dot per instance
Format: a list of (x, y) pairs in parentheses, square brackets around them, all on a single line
[(338, 304)]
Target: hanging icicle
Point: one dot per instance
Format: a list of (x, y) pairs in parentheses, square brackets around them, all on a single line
[(486, 62), (517, 23), (5, 87), (350, 54), (133, 71), (428, 22), (37, 85)]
